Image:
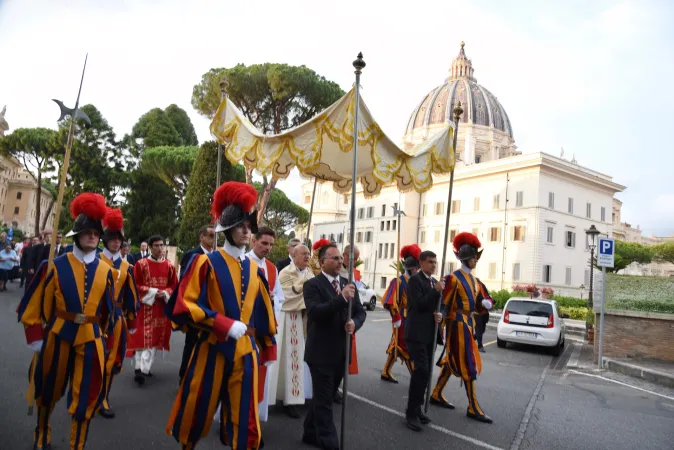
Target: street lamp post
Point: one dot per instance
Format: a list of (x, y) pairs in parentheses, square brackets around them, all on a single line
[(592, 234)]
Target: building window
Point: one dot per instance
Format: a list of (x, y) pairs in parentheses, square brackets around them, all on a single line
[(436, 236), (388, 225), (497, 201), (456, 206), (322, 236), (439, 208), (383, 283), (16, 210), (567, 278), (588, 210), (547, 273), (478, 158), (422, 237), (518, 233), (393, 251), (383, 210), (359, 237), (395, 205), (613, 217), (452, 235), (551, 234), (18, 195), (386, 250), (476, 232), (551, 200), (382, 226), (492, 270), (476, 204), (307, 199), (570, 239), (424, 210), (368, 236), (519, 198), (570, 205), (332, 237), (516, 272), (361, 213), (394, 225), (603, 214), (494, 234), (452, 267), (346, 199), (370, 212), (340, 237), (381, 250), (366, 263)]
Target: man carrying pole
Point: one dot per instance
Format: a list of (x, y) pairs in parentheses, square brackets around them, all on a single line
[(395, 301)]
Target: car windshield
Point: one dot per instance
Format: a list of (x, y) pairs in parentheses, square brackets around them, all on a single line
[(525, 308), (360, 285)]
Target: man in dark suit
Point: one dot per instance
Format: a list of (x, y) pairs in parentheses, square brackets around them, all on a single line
[(206, 238), (327, 298), (143, 253), (59, 250), (423, 295), (285, 262), (126, 256)]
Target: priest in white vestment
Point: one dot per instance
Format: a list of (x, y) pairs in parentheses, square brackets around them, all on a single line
[(291, 380)]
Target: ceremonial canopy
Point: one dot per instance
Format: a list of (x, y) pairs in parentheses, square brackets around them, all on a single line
[(322, 148)]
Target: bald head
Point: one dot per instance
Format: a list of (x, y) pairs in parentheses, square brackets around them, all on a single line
[(347, 254), (301, 256)]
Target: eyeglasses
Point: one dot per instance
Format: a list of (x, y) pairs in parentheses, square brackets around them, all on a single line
[(336, 258), (157, 245)]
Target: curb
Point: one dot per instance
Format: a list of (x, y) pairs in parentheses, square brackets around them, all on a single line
[(654, 376)]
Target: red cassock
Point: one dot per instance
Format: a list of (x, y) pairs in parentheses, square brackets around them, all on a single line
[(154, 328)]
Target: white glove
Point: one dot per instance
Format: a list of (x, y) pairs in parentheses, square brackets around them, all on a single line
[(487, 304), (269, 363), (132, 331), (36, 346), (397, 323), (237, 330)]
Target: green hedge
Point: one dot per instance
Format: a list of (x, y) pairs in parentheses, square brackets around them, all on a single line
[(637, 293)]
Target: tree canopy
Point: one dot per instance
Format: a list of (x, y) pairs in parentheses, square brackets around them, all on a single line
[(664, 252), (173, 165), (34, 148), (274, 97), (282, 214)]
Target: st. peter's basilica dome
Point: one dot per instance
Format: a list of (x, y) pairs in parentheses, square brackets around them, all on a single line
[(485, 131)]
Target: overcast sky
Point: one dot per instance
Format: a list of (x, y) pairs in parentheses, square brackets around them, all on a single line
[(594, 77)]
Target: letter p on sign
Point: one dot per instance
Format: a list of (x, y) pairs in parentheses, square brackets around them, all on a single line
[(606, 255)]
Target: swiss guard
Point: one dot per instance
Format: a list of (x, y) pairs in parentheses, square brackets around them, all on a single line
[(463, 297), (66, 312), (395, 301), (225, 295), (125, 302)]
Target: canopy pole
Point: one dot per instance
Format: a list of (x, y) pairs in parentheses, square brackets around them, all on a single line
[(311, 214), (218, 174), (457, 115), (358, 64)]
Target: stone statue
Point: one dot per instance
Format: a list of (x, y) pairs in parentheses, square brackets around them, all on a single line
[(3, 123)]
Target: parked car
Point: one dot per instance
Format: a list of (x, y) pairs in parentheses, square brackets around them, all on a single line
[(533, 322), (368, 297)]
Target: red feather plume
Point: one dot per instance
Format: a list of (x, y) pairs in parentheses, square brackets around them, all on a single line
[(91, 205), (233, 193), (466, 238), (320, 243), (411, 250), (113, 221)]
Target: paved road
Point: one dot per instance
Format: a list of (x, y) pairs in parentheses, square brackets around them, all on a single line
[(535, 403)]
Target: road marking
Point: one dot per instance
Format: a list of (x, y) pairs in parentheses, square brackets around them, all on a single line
[(432, 426), (573, 361), (519, 437), (489, 343), (380, 320), (622, 384)]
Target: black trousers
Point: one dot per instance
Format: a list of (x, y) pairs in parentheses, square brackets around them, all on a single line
[(319, 426), (421, 355), (191, 338)]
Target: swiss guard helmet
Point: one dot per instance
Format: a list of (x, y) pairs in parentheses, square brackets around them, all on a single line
[(466, 246), (234, 203), (114, 225), (88, 210), (410, 255)]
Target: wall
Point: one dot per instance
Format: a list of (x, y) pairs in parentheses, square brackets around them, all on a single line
[(636, 335)]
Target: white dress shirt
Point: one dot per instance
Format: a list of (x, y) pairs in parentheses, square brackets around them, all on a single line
[(276, 290)]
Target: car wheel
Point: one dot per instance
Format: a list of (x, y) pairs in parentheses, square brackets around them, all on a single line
[(373, 304), (500, 343), (557, 349), (563, 342)]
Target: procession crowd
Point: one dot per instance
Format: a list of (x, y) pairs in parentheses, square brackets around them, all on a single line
[(257, 333)]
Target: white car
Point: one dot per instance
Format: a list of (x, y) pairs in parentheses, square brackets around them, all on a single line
[(368, 297), (533, 322)]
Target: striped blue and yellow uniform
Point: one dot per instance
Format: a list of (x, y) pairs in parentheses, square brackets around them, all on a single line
[(126, 307), (217, 290), (395, 301), (68, 306), (461, 299)]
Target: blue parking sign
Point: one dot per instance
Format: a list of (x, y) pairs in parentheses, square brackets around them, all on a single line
[(606, 252)]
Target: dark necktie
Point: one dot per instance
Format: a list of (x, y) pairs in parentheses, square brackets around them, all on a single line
[(335, 286)]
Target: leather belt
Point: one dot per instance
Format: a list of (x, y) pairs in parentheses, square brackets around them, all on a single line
[(77, 318)]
